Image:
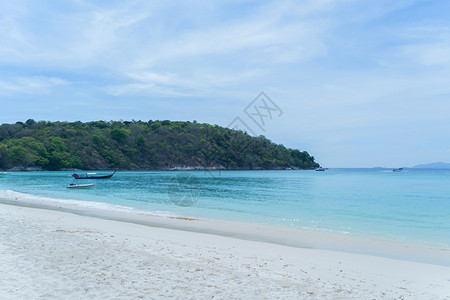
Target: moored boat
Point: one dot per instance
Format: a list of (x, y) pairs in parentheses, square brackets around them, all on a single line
[(93, 176), (77, 186)]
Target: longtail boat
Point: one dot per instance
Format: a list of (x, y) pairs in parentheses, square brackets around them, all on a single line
[(93, 176)]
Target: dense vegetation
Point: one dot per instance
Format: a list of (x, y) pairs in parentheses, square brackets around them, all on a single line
[(140, 145)]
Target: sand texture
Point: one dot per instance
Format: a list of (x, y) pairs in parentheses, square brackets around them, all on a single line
[(47, 254)]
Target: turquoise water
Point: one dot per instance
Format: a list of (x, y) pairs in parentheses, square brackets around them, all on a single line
[(408, 206)]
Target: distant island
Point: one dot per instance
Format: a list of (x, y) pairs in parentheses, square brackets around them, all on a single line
[(140, 145), (435, 165)]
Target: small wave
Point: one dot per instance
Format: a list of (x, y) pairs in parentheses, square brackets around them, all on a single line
[(290, 220), (73, 205)]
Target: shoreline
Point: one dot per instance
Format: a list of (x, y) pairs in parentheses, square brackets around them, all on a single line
[(299, 238), (42, 250), (177, 168)]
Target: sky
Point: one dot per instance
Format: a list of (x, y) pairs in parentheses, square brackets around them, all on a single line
[(355, 83)]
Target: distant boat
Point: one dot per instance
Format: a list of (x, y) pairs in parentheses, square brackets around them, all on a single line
[(321, 169), (3, 173), (78, 186), (93, 176), (397, 170)]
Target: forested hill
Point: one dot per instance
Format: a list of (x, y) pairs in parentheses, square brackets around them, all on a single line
[(140, 145)]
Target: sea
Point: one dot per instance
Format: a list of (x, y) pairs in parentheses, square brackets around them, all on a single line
[(412, 206)]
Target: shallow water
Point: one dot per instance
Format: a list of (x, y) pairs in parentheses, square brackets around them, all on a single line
[(408, 206)]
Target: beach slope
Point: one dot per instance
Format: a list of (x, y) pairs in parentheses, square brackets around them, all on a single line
[(46, 253)]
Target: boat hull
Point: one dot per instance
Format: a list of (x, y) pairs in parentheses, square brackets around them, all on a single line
[(80, 186), (94, 177)]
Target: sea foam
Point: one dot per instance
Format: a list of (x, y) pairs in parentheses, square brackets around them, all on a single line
[(24, 199)]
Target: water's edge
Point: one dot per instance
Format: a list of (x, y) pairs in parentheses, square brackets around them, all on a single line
[(247, 231)]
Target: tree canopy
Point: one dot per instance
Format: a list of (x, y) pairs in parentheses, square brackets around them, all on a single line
[(139, 145)]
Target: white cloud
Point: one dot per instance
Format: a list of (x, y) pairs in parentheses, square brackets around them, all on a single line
[(198, 84), (30, 85), (426, 45), (262, 35), (430, 54)]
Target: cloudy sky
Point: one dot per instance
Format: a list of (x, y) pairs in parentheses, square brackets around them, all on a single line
[(357, 83)]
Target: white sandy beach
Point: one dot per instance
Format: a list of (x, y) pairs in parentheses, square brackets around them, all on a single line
[(51, 254)]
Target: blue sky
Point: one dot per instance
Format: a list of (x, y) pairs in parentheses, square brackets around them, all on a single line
[(359, 83)]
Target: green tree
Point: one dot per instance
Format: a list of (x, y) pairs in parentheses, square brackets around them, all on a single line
[(119, 134), (140, 145), (3, 156), (19, 156)]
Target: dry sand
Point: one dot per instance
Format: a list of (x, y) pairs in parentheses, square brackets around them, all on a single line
[(58, 255)]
